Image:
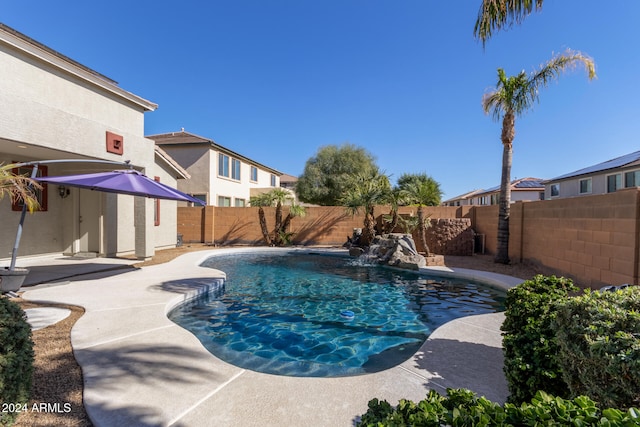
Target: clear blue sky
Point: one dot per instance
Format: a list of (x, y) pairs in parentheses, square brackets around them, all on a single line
[(277, 79)]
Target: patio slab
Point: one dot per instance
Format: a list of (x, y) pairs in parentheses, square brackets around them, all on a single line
[(141, 369)]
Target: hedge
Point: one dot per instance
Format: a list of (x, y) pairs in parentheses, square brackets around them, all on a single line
[(599, 342), (462, 407), (16, 359), (529, 340)]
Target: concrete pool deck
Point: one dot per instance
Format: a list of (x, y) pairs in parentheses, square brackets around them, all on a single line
[(141, 369)]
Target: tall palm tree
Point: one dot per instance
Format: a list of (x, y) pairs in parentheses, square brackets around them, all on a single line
[(420, 190), (497, 14), (512, 97), (365, 192)]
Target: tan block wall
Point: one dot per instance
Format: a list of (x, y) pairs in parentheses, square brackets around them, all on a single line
[(594, 240)]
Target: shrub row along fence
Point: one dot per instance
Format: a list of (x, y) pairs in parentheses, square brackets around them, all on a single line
[(594, 240)]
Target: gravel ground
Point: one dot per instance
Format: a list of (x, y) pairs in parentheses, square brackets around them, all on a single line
[(58, 378)]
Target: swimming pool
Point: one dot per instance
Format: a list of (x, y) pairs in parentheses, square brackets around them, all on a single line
[(324, 316)]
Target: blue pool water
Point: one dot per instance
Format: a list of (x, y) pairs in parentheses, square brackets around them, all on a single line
[(324, 316)]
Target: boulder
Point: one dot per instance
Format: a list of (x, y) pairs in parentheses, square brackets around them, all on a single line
[(397, 250)]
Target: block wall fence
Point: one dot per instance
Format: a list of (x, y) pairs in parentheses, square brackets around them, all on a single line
[(595, 240)]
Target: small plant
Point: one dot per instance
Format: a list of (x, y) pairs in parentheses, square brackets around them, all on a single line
[(529, 339), (16, 360), (462, 407), (599, 341)]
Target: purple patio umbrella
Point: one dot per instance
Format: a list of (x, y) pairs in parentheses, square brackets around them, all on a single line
[(128, 181)]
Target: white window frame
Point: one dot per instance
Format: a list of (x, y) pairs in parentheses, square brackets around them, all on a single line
[(224, 199), (254, 174), (239, 203), (589, 185), (273, 180), (236, 167), (636, 179), (223, 165), (618, 182), (554, 190)]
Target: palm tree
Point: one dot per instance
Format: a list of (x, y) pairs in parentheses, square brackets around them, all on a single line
[(279, 197), (512, 97), (19, 188), (365, 192), (497, 14), (420, 190), (260, 201)]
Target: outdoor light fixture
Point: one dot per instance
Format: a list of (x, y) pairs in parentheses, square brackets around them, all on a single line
[(63, 191)]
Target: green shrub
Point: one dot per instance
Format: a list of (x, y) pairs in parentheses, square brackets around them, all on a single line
[(599, 339), (529, 341), (463, 408), (16, 359)]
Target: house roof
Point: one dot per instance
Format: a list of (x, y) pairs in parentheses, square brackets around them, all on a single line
[(626, 160), (463, 196), (180, 172), (521, 184), (188, 138), (285, 178), (27, 45)]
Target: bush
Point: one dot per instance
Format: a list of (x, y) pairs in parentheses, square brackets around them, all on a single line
[(463, 408), (529, 340), (16, 359), (599, 342)]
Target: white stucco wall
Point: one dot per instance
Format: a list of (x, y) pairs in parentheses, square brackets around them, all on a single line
[(58, 110)]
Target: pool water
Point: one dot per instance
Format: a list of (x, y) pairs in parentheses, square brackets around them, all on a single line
[(286, 314)]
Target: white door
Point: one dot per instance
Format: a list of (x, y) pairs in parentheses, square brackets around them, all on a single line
[(89, 220)]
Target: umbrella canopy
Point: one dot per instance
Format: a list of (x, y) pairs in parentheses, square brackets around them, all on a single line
[(128, 181)]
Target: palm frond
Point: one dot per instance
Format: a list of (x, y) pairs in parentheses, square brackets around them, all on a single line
[(495, 15)]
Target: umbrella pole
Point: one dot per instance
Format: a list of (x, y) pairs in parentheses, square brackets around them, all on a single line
[(14, 253)]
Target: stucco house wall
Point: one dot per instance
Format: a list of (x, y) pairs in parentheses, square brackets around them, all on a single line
[(624, 172), (199, 156), (53, 108)]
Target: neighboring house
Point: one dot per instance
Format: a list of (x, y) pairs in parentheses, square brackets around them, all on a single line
[(522, 189), (461, 200), (605, 177), (219, 176), (51, 108)]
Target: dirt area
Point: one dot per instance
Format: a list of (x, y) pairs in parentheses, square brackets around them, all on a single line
[(58, 378)]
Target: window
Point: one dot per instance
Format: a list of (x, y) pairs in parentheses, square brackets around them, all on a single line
[(156, 206), (240, 203), (632, 179), (495, 199), (273, 180), (254, 174), (223, 165), (555, 190), (614, 182), (235, 169), (202, 197), (585, 186), (224, 201), (41, 195), (484, 200)]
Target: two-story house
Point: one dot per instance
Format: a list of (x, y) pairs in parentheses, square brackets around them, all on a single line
[(54, 108), (219, 176), (601, 178)]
